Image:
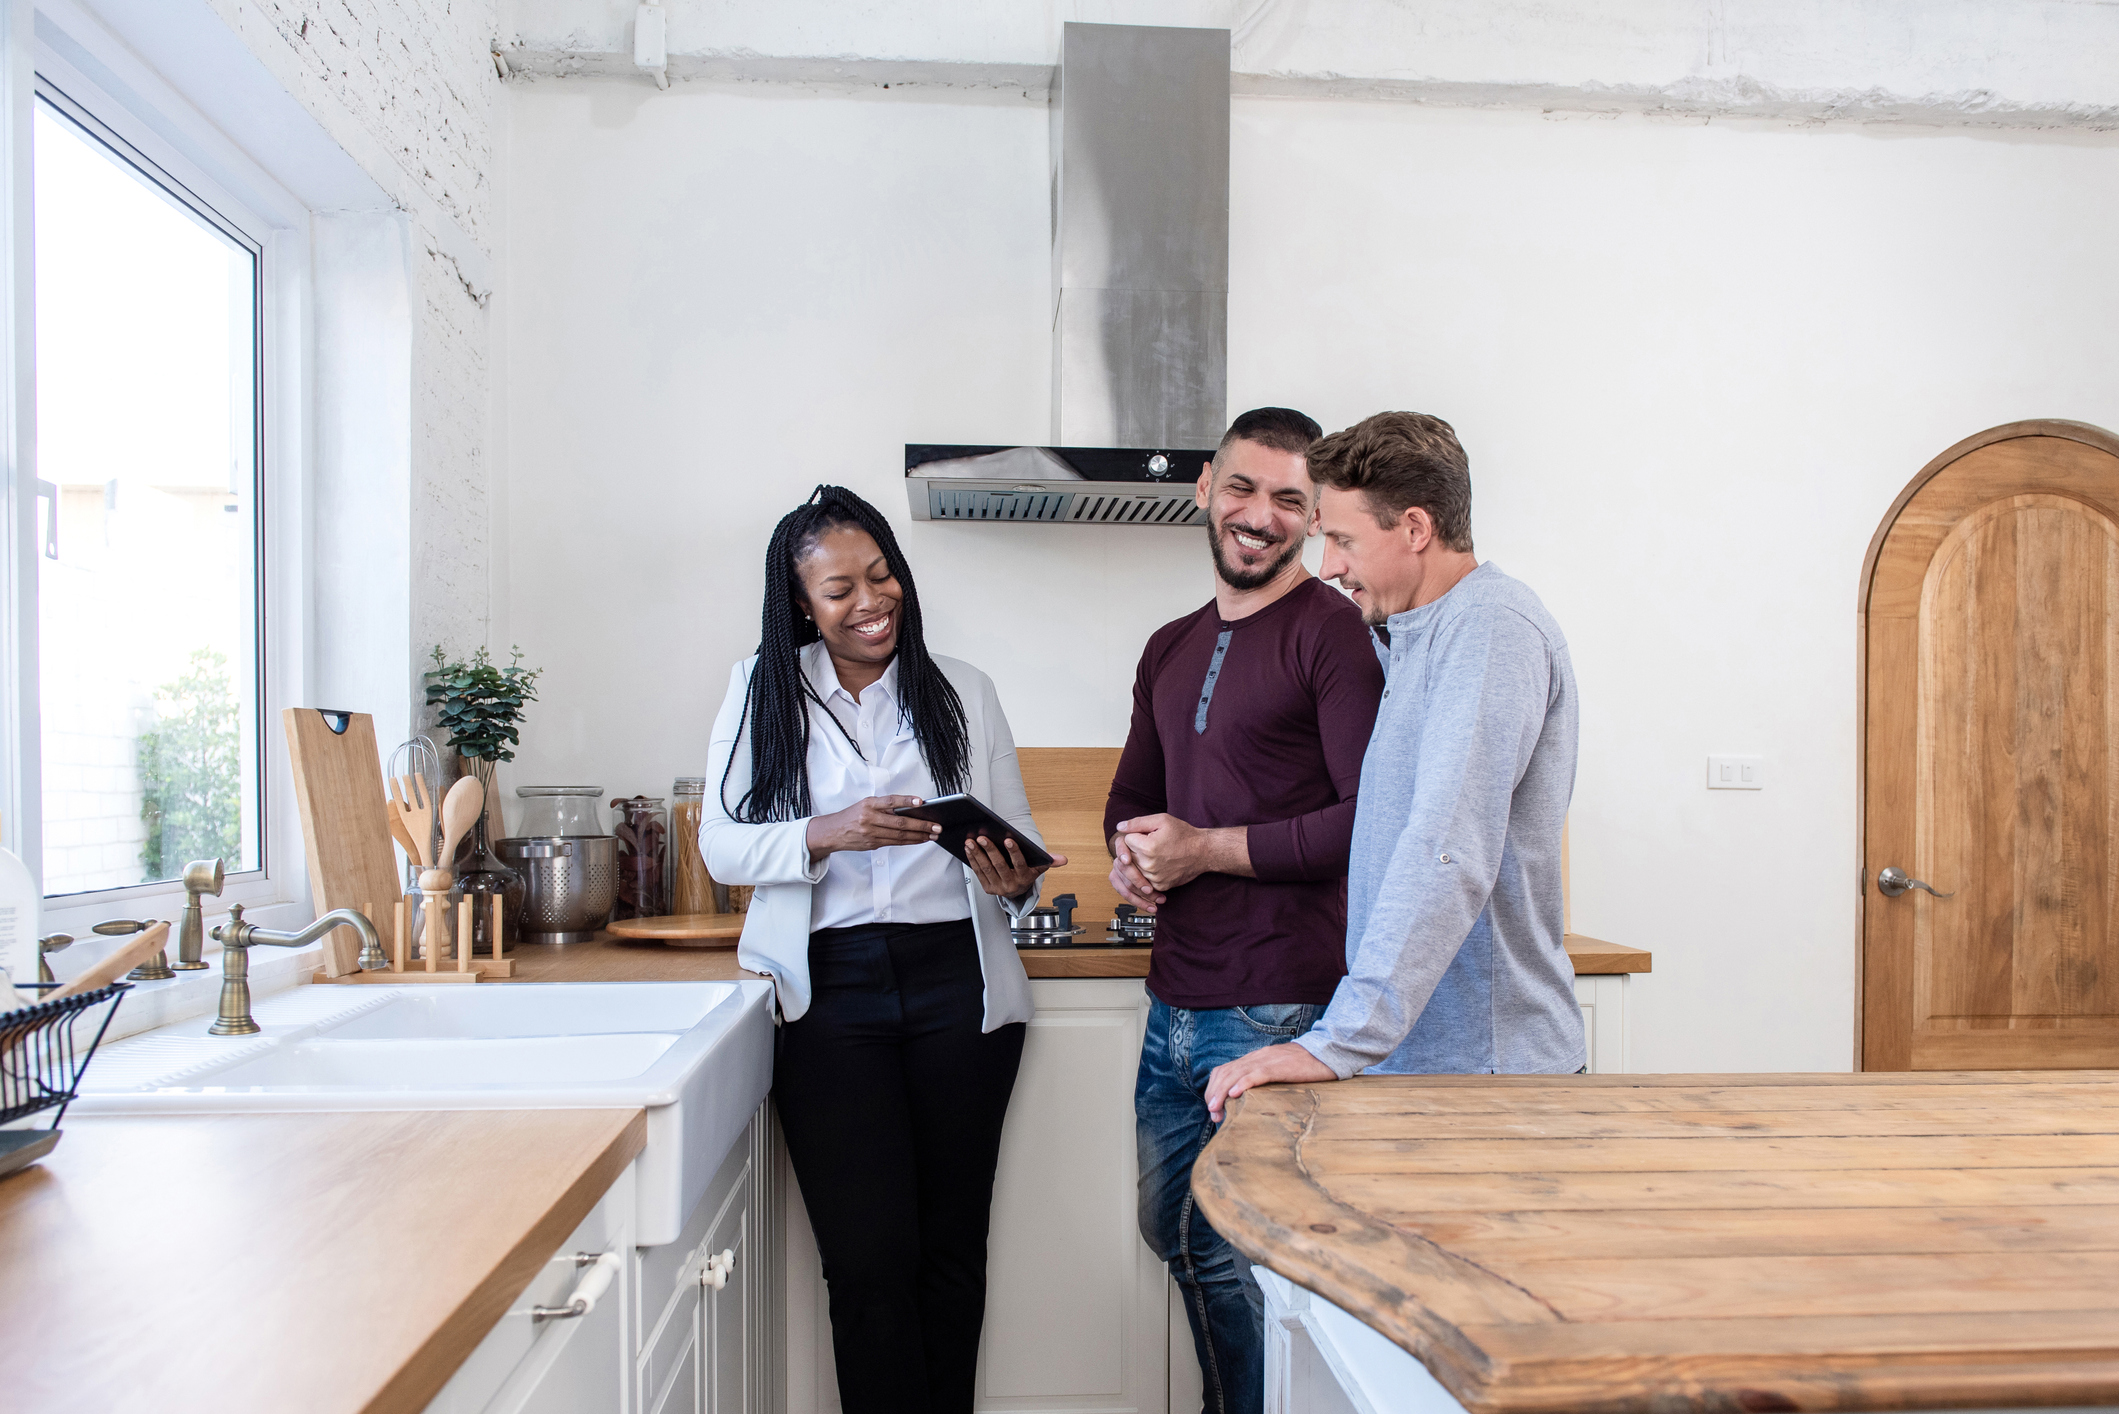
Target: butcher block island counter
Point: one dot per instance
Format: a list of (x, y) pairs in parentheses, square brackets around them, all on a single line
[(1620, 1243)]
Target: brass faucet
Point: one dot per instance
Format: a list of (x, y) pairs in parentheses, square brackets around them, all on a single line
[(201, 876), (237, 938)]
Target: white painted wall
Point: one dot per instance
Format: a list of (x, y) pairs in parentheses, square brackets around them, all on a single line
[(1693, 364)]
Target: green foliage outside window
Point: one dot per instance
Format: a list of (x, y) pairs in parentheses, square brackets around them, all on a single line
[(191, 771)]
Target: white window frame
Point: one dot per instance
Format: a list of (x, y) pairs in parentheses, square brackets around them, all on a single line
[(167, 132)]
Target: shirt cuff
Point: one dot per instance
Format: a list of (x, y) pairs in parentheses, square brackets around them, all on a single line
[(1015, 908), (1336, 1058), (812, 868), (1272, 850)]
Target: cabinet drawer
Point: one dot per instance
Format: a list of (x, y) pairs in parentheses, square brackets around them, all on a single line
[(517, 1344)]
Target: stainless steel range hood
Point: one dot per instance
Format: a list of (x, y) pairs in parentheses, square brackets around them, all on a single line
[(1140, 278)]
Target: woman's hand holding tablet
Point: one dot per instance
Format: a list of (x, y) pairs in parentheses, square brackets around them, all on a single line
[(1006, 861), (873, 823)]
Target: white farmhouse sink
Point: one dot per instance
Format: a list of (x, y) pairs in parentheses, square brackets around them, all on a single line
[(333, 1064), (697, 1056)]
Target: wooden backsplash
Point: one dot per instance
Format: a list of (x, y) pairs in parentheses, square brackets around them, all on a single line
[(1068, 786)]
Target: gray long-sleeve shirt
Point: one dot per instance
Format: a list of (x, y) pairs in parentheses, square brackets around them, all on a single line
[(1454, 958)]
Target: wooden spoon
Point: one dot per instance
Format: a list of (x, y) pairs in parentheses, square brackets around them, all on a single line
[(143, 946), (459, 812)]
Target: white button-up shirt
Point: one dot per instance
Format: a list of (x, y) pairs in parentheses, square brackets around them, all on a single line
[(906, 883)]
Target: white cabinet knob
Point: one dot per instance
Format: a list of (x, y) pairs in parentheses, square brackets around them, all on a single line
[(717, 1269)]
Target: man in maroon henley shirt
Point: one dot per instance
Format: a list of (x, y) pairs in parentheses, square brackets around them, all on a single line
[(1231, 818)]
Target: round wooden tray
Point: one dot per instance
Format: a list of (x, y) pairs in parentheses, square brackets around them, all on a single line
[(683, 930)]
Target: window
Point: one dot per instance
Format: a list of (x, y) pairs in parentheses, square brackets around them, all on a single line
[(149, 613)]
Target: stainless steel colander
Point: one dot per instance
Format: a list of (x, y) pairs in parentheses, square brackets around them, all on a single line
[(573, 882)]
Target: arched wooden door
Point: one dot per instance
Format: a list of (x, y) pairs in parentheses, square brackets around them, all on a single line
[(1990, 739)]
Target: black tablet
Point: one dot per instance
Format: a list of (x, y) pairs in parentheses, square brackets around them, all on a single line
[(962, 816)]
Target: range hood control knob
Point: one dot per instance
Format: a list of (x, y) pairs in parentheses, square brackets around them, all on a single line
[(1158, 465)]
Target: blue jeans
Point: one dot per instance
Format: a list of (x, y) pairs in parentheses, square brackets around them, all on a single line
[(1222, 1301)]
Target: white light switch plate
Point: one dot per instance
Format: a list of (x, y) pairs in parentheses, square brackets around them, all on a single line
[(1736, 773)]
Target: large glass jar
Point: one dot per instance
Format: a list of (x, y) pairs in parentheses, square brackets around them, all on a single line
[(642, 825), (560, 810), (692, 889)]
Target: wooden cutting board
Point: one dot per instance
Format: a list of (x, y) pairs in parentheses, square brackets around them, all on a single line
[(338, 790)]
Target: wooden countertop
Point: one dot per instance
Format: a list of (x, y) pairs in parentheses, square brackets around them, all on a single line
[(607, 959), (1552, 1245), (312, 1262), (1595, 957)]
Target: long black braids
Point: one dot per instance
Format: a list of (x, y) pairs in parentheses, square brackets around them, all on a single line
[(776, 703)]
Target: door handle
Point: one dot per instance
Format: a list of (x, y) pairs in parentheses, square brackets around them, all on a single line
[(1895, 881)]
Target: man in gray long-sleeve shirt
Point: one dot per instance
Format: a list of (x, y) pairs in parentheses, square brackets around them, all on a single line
[(1454, 958)]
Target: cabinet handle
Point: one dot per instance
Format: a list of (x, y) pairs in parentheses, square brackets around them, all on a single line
[(602, 1270), (718, 1268)]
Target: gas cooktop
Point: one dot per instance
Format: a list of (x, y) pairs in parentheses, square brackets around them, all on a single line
[(1053, 926)]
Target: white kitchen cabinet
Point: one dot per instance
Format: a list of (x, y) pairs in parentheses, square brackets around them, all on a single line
[(1320, 1360), (1077, 1308), (1602, 998), (670, 1382), (565, 1365), (668, 1336), (727, 1311), (702, 1348)]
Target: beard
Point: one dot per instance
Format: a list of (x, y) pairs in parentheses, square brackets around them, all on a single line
[(1238, 576)]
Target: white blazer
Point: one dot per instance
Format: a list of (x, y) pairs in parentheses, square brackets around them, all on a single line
[(775, 857)]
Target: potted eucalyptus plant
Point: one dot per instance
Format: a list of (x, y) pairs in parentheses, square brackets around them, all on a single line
[(481, 705)]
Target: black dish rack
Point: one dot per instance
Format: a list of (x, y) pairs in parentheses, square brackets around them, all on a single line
[(41, 1061)]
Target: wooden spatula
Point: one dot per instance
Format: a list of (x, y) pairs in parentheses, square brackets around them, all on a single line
[(142, 947), (403, 836), (412, 809)]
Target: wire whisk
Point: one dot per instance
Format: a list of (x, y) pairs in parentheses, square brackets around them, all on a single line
[(418, 757)]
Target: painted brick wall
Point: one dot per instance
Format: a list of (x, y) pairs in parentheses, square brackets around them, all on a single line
[(417, 74), (417, 79)]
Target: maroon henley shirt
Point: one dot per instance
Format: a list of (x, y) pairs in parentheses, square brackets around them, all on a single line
[(1287, 720)]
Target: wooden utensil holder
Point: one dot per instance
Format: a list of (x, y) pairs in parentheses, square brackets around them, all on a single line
[(438, 938)]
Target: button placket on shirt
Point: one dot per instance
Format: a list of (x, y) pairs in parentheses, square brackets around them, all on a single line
[(872, 747)]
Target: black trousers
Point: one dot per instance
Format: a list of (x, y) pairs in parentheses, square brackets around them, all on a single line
[(892, 1103)]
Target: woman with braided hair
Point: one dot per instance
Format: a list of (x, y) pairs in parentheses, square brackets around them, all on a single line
[(901, 996)]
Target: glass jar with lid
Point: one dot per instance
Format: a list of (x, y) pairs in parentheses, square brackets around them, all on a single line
[(692, 888), (560, 810), (642, 825)]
